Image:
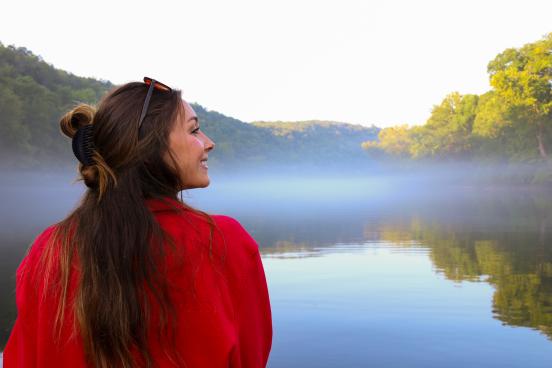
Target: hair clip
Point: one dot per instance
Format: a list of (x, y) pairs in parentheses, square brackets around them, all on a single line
[(83, 144)]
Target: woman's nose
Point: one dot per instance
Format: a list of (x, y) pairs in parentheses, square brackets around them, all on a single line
[(209, 144)]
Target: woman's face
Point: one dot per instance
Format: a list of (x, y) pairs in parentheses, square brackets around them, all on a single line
[(189, 147)]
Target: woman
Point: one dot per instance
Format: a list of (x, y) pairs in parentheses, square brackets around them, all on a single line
[(133, 277)]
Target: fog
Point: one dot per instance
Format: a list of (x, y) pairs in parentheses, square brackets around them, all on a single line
[(459, 220), (304, 208), (289, 201)]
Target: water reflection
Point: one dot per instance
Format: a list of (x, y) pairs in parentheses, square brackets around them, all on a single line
[(323, 248), (517, 264), (381, 305), (496, 236)]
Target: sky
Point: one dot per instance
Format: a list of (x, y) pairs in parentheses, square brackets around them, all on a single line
[(362, 62)]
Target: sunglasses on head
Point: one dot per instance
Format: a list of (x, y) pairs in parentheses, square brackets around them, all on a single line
[(153, 84)]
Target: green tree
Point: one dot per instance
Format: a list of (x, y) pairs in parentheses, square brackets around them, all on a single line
[(491, 116), (14, 136), (447, 133), (395, 141), (523, 78)]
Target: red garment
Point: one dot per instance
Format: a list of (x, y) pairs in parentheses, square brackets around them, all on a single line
[(224, 317)]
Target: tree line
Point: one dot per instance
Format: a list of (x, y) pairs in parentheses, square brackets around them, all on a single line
[(34, 95), (510, 123)]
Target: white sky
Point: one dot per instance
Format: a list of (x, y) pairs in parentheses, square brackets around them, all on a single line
[(365, 62)]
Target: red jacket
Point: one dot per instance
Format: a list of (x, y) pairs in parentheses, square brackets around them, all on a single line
[(224, 317)]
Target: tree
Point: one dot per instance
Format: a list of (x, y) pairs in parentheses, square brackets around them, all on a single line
[(447, 133), (394, 141), (492, 116), (14, 136), (523, 79)]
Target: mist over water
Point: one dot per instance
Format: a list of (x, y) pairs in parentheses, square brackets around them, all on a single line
[(419, 267)]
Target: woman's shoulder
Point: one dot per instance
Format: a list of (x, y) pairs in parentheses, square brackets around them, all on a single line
[(27, 274), (177, 218), (234, 232), (36, 248), (229, 224)]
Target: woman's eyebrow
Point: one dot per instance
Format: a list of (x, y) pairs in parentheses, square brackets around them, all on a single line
[(194, 118)]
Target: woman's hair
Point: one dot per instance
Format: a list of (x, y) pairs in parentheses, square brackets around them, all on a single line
[(112, 236)]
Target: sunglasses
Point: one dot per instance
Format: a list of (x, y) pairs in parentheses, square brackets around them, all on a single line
[(153, 84)]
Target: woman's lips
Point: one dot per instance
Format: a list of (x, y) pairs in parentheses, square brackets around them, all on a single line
[(204, 164)]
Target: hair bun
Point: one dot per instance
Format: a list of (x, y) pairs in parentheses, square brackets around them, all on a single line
[(79, 116), (90, 176)]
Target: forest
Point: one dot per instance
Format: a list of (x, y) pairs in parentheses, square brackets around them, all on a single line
[(34, 95), (511, 123)]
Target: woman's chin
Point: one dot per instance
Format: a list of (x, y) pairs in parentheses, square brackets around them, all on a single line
[(204, 183)]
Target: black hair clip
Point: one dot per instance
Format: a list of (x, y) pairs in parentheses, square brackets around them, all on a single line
[(83, 144)]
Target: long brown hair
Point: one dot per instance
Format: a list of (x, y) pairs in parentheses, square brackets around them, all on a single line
[(118, 244)]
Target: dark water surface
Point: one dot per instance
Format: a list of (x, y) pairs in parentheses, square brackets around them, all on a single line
[(364, 272)]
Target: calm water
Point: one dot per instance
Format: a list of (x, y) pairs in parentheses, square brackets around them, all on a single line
[(373, 272)]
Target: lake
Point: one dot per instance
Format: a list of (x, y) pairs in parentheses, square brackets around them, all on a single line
[(363, 271)]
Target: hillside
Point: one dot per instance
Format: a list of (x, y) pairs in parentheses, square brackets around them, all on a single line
[(322, 140), (34, 95)]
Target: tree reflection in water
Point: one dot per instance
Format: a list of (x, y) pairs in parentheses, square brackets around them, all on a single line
[(501, 238)]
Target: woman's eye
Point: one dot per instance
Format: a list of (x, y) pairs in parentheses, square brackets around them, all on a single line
[(195, 131)]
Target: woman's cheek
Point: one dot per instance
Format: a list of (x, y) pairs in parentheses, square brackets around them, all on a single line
[(198, 142)]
